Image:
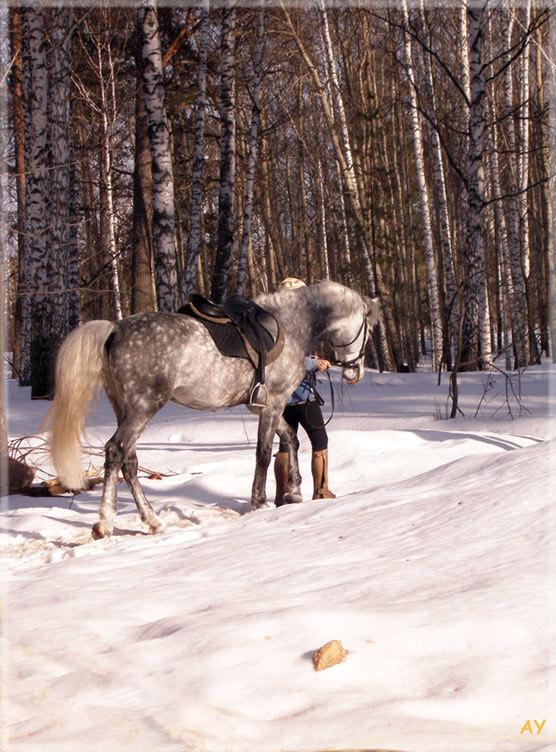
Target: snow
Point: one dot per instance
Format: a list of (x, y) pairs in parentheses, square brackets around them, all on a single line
[(434, 567)]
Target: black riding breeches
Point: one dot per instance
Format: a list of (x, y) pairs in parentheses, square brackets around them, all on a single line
[(309, 415)]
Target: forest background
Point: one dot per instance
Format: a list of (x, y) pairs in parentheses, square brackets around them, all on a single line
[(403, 149)]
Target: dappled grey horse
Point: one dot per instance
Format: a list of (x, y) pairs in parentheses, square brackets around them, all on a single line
[(148, 359)]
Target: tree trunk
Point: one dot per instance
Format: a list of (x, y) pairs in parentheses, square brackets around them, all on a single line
[(251, 156), (476, 347), (322, 212), (430, 260), (524, 147), (3, 281), (161, 157), (143, 293), (501, 234), (107, 173), (551, 97), (547, 207), (225, 242), (64, 271), (194, 239), (38, 326), (16, 109), (453, 303), (518, 304)]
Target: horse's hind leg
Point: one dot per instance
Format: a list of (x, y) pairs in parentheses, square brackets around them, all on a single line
[(108, 505), (146, 512), (120, 449)]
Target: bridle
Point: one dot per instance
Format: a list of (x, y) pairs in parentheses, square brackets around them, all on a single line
[(352, 363)]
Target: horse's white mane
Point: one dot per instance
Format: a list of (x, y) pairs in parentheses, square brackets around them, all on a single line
[(326, 292)]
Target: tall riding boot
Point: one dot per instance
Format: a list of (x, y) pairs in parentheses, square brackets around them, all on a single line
[(281, 471), (319, 468)]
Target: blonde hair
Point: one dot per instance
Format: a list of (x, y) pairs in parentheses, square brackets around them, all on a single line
[(291, 283)]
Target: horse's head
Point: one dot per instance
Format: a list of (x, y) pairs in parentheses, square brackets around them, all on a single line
[(355, 330)]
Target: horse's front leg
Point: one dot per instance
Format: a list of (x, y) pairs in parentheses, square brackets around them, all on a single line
[(268, 422), (290, 443)]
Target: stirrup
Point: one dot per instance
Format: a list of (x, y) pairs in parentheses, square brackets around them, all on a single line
[(258, 397)]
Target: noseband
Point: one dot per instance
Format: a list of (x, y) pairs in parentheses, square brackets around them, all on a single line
[(352, 363)]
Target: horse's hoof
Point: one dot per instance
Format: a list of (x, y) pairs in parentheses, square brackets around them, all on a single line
[(155, 529), (259, 505), (98, 531), (292, 498)]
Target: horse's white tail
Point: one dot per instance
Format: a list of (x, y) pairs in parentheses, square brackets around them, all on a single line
[(78, 376)]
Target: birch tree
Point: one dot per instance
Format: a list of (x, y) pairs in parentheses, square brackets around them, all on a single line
[(64, 268), (226, 217), (518, 302), (251, 155), (38, 308), (107, 116), (194, 239), (143, 293), (162, 170), (551, 261), (3, 276), (524, 144), (18, 125), (440, 190), (430, 260), (476, 344)]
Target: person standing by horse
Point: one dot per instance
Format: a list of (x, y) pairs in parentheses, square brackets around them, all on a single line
[(304, 407)]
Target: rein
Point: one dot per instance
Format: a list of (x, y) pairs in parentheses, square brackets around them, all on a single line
[(319, 399), (351, 363)]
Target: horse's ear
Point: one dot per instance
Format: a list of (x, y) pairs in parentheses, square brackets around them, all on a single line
[(373, 310)]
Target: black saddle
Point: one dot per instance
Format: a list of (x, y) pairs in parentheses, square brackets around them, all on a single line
[(257, 325), (258, 328)]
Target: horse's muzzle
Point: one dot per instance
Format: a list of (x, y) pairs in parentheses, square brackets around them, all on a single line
[(353, 374)]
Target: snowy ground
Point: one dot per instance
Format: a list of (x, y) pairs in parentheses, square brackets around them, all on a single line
[(434, 567)]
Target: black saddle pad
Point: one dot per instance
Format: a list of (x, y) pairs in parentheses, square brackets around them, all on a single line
[(225, 334), (227, 339)]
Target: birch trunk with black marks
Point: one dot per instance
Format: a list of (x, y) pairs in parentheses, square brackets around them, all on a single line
[(475, 345), (463, 38), (225, 241), (165, 264), (524, 181), (106, 88), (194, 238), (4, 52), (64, 273), (251, 156), (439, 187), (143, 293), (524, 146), (544, 96), (38, 308), (551, 97), (501, 236), (18, 121), (518, 302), (324, 234), (345, 230), (430, 259)]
